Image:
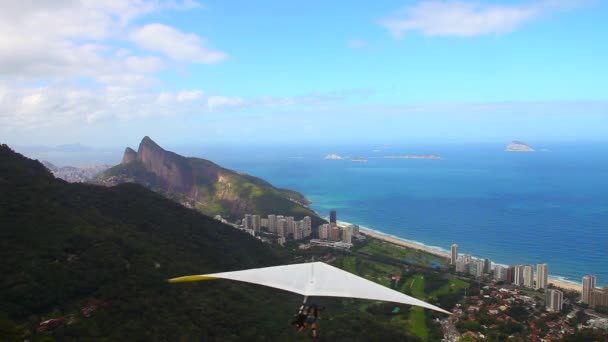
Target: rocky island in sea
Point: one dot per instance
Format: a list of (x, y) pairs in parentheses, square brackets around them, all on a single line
[(518, 146), (334, 156), (415, 156)]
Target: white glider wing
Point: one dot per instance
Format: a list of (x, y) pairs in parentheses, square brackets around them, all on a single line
[(316, 279)]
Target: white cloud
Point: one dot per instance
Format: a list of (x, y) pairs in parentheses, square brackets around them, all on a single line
[(189, 95), (222, 102), (71, 62), (467, 19), (177, 45)]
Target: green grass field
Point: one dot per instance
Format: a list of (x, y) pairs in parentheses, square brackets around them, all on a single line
[(424, 284), (412, 256)]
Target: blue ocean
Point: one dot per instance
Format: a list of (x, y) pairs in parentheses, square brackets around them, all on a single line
[(547, 206)]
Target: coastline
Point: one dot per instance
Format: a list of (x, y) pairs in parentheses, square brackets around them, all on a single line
[(556, 281)]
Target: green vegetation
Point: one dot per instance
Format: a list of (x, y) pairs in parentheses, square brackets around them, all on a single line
[(418, 326), (402, 254), (379, 261)]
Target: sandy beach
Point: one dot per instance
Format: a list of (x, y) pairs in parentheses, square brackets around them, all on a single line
[(407, 244)]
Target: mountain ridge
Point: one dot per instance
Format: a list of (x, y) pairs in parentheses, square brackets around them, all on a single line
[(201, 184)]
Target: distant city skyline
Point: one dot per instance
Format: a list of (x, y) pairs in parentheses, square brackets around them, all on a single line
[(189, 72)]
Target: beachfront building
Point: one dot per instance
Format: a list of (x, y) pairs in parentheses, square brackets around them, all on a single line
[(355, 229), (588, 286), (454, 255), (335, 234), (500, 273), (324, 231), (529, 276), (518, 277), (487, 266), (554, 300), (333, 218), (476, 267), (462, 264), (510, 274), (542, 271), (599, 297), (347, 234)]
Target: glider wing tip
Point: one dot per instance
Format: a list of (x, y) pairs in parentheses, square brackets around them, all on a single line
[(190, 278)]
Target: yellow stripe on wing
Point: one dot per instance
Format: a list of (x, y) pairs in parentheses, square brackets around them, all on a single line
[(191, 278)]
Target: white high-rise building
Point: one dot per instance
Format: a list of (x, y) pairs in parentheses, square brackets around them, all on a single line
[(542, 276), (324, 231), (461, 265), (500, 273), (588, 286), (281, 227), (347, 234), (529, 276), (290, 225), (307, 226), (355, 229), (298, 232), (272, 223), (554, 300), (518, 278), (454, 254), (476, 267), (257, 223)]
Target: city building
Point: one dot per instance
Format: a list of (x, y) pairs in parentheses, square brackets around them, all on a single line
[(554, 300), (307, 226), (335, 234), (599, 297), (248, 222), (487, 266), (454, 254), (461, 265), (298, 232), (324, 232), (256, 223), (588, 286), (281, 226), (333, 217), (542, 276), (272, 223), (347, 234), (264, 223), (500, 273), (355, 229), (510, 274), (476, 267), (518, 277), (290, 226), (529, 276)]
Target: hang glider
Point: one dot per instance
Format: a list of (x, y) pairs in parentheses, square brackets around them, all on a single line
[(315, 279)]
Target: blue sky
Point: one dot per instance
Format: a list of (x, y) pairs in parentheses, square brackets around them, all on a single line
[(305, 72)]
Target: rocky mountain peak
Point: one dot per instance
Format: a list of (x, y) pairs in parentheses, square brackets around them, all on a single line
[(149, 144), (129, 156)]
